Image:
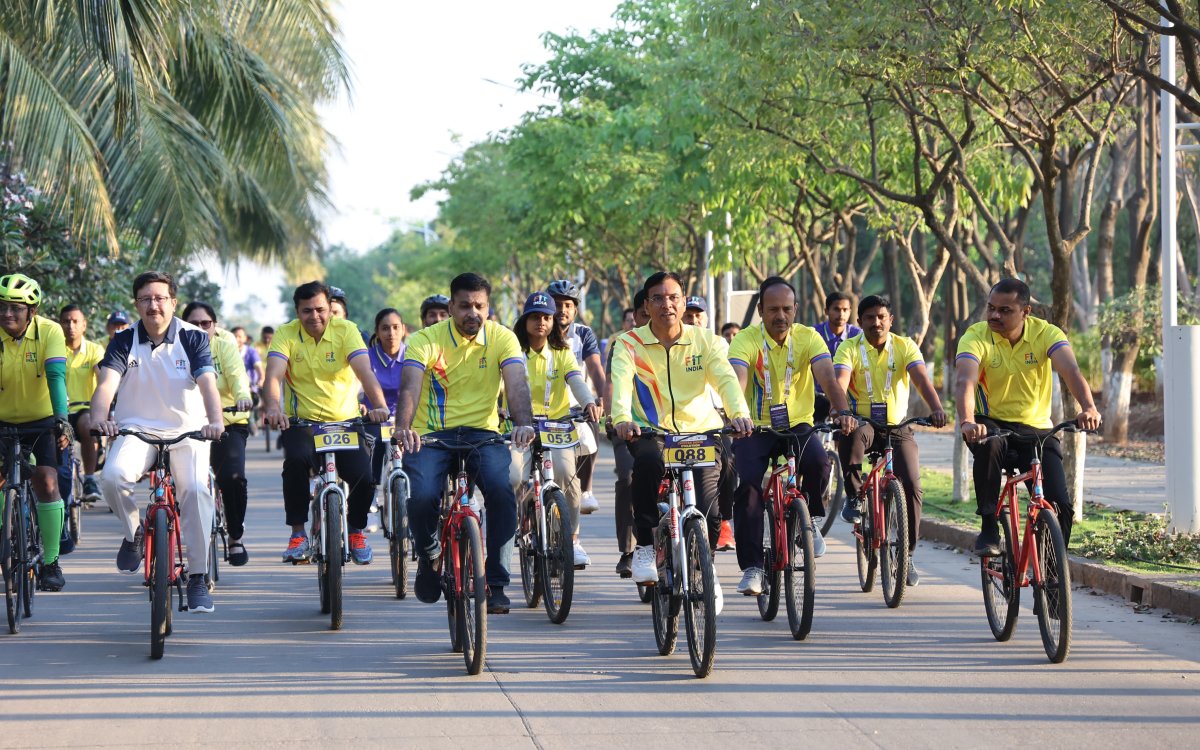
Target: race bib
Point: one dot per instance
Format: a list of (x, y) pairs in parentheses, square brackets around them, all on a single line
[(557, 434), (385, 430), (334, 437), (689, 451)]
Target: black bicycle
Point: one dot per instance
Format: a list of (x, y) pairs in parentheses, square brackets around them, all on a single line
[(20, 542)]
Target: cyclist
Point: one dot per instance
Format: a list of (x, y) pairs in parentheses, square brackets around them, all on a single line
[(385, 351), (251, 361), (162, 372), (316, 359), (661, 373), (33, 380), (1003, 380), (729, 330), (82, 358), (585, 347), (835, 329), (227, 457), (622, 458), (448, 390), (551, 369), (117, 321), (777, 363), (265, 337), (434, 309), (876, 368)]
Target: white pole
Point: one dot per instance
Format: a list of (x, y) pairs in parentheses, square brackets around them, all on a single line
[(709, 288), (727, 280), (1167, 171)]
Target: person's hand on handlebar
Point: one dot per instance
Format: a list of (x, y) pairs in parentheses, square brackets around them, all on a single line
[(213, 430), (378, 414), (408, 439), (972, 433), (106, 427), (275, 418), (741, 426), (1088, 419), (244, 404), (522, 436), (938, 418), (628, 431), (847, 422), (592, 411)]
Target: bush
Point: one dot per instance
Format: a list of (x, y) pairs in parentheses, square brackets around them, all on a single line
[(1140, 538)]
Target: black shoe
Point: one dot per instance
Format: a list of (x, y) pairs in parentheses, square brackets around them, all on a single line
[(238, 556), (428, 586), (51, 577), (852, 511), (129, 557), (498, 603), (625, 565), (987, 544)]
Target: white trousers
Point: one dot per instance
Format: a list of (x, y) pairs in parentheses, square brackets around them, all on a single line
[(564, 477), (129, 458)]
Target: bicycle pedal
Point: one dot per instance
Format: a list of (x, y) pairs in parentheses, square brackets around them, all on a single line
[(580, 567)]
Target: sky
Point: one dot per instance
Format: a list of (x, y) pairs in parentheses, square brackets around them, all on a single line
[(429, 79)]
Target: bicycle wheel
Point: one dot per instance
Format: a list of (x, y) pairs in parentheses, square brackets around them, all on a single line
[(1053, 594), (334, 558), (864, 551), (664, 611), (31, 558), (700, 614), (472, 608), (214, 563), (834, 497), (1001, 591), (800, 575), (159, 564), (10, 561), (768, 600), (894, 550), (558, 564), (528, 546), (74, 519), (398, 544)]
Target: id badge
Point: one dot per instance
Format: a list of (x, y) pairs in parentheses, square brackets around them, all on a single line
[(879, 412), (779, 417)]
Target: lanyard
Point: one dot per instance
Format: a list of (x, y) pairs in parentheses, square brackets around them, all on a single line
[(548, 358), (891, 363), (787, 377)]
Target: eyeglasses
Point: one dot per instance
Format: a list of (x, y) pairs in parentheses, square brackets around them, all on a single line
[(156, 299), (662, 299), (12, 309), (205, 324)]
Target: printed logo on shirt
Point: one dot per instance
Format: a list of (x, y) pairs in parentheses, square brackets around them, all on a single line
[(180, 364), (133, 363), (693, 363), (483, 362), (1030, 359), (329, 357), (31, 357)]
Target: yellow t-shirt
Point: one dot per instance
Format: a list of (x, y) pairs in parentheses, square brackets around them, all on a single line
[(562, 365), (81, 374), (23, 385), (461, 381), (319, 385), (904, 355), (1015, 381), (232, 382), (746, 350), (668, 389)]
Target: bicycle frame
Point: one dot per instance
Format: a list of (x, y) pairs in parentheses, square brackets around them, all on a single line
[(1026, 553), (882, 472), (677, 502), (780, 489), (162, 497), (455, 507), (330, 486), (396, 471)]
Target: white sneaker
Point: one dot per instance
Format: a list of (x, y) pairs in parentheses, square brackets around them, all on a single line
[(718, 595), (752, 582), (644, 569), (818, 540), (588, 504), (581, 556)]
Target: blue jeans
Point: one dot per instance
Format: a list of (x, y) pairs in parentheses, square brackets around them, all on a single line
[(488, 467)]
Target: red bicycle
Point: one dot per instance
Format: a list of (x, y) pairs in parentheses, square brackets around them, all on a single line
[(883, 530), (1042, 549), (788, 556)]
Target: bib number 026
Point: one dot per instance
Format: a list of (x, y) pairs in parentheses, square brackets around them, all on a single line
[(334, 438)]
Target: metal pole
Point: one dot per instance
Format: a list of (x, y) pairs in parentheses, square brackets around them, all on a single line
[(707, 272), (727, 281), (1168, 201)]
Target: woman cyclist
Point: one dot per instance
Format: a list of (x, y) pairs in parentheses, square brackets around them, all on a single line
[(385, 351)]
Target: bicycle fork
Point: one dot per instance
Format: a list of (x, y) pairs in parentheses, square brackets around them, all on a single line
[(329, 482)]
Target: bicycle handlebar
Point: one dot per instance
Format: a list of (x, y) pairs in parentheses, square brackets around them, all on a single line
[(655, 432), (298, 422), (922, 421), (146, 437), (501, 439), (826, 427), (1068, 426)]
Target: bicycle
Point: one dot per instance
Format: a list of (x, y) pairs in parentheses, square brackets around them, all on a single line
[(394, 517), (788, 555), (220, 529), (681, 548), (543, 523), (883, 528), (20, 542), (835, 495), (329, 526), (464, 582), (1041, 547)]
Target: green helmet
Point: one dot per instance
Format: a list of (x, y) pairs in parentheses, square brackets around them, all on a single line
[(17, 287)]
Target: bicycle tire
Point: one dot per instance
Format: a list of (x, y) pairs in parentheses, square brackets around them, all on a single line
[(800, 575), (31, 557), (528, 549), (645, 593), (472, 609), (558, 564), (398, 544), (1053, 593), (159, 564), (835, 497), (214, 564), (74, 519), (768, 600), (700, 612), (1001, 592), (865, 553), (894, 552), (10, 562), (666, 624), (334, 557), (318, 554)]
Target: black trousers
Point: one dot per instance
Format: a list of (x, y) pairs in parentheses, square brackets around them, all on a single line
[(648, 470), (906, 463), (227, 457), (300, 459), (991, 459)]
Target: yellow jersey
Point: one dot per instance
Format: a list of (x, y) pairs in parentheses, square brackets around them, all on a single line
[(81, 374), (1015, 380), (891, 365), (24, 389), (653, 386), (461, 376), (232, 382), (555, 366), (805, 346), (319, 385)]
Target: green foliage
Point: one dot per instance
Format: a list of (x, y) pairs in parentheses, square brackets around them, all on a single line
[(1138, 314), (1140, 538)]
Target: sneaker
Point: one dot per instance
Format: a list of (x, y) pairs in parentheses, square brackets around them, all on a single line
[(718, 595), (497, 601), (360, 551), (852, 511), (987, 544), (725, 540), (91, 490), (129, 558), (427, 585), (588, 504), (238, 556), (199, 600), (752, 582), (818, 540), (50, 577), (581, 557), (914, 578), (644, 569), (625, 565), (298, 550)]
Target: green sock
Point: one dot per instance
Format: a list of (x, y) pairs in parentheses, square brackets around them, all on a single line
[(50, 522)]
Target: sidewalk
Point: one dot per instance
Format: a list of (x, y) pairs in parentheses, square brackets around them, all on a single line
[(1115, 482)]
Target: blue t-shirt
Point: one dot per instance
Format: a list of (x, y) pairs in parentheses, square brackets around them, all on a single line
[(582, 341), (833, 341), (387, 372)]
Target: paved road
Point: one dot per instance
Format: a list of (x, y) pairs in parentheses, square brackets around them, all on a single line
[(265, 670)]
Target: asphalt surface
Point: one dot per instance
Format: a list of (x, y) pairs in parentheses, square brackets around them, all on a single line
[(265, 670)]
